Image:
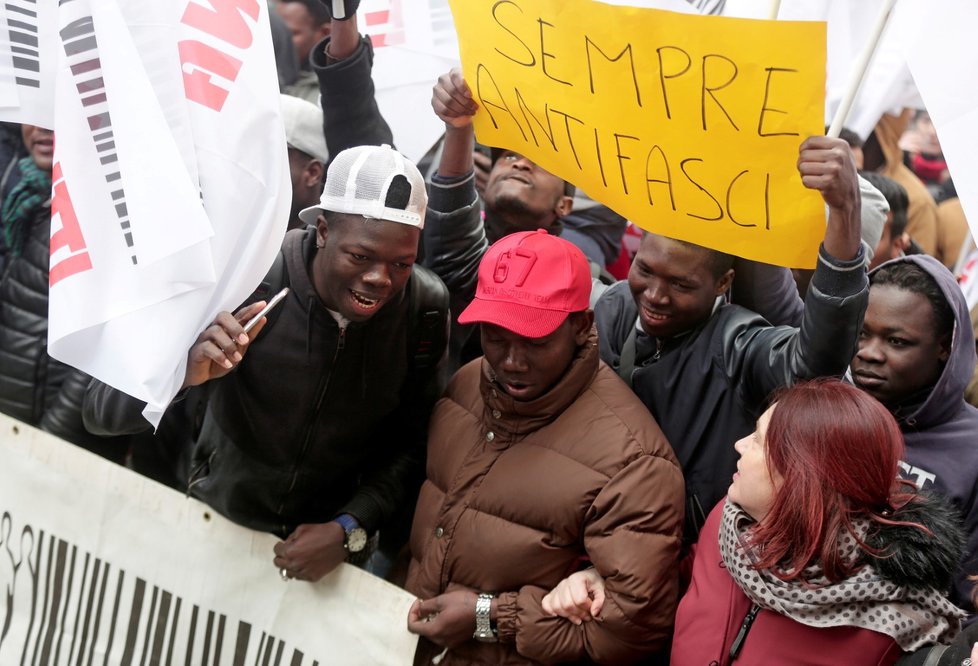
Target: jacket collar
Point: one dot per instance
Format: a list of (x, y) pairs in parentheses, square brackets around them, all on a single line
[(517, 419)]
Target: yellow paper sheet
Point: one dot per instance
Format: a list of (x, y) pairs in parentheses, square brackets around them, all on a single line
[(687, 125)]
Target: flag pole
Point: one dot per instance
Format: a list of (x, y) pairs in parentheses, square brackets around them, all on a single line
[(775, 8), (845, 106)]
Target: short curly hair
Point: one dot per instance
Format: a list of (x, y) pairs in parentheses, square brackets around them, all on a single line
[(909, 276)]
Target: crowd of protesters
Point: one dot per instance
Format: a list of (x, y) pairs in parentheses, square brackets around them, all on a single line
[(707, 461)]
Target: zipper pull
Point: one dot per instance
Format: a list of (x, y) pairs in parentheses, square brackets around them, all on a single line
[(341, 342), (742, 634), (658, 349)]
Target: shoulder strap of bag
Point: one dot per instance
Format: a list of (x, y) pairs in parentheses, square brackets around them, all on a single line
[(626, 364), (428, 305)]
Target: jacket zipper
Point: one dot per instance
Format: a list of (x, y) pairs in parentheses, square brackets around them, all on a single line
[(196, 474), (699, 517), (738, 642), (658, 349), (324, 386)]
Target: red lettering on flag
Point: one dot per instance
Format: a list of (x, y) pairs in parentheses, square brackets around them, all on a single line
[(68, 236), (224, 21), (200, 64), (377, 18)]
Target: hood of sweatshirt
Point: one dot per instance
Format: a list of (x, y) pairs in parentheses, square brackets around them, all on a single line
[(944, 400)]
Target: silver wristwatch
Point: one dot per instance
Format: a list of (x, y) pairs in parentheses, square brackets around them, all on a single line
[(483, 625)]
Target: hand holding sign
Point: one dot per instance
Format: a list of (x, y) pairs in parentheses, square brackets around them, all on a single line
[(452, 100), (826, 165)]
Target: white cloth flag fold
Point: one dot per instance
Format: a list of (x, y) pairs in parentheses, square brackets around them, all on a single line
[(165, 211), (937, 64)]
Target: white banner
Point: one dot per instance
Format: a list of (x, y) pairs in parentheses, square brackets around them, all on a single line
[(172, 187), (969, 280), (99, 565), (414, 43), (943, 50)]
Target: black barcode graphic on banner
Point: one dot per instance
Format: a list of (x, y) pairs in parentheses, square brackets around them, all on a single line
[(73, 609), (442, 25), (81, 47), (23, 33)]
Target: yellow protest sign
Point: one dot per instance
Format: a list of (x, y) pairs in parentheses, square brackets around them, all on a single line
[(687, 125)]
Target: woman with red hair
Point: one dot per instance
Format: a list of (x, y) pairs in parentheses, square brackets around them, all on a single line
[(818, 555)]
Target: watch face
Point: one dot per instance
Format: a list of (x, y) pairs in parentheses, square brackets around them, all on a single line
[(356, 539)]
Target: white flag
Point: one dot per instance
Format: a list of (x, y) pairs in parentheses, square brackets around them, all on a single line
[(28, 58), (163, 214), (942, 59), (887, 86)]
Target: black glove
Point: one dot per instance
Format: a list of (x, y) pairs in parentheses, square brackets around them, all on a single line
[(341, 10)]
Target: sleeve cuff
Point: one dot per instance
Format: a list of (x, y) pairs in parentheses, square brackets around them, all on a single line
[(838, 277), (451, 194), (321, 60), (506, 610), (365, 511)]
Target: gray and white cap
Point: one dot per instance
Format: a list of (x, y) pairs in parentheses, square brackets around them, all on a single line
[(303, 123), (376, 182)]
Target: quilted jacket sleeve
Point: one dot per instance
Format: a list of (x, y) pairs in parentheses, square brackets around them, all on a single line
[(632, 537)]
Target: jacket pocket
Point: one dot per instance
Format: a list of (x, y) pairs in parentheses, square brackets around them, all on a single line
[(200, 467)]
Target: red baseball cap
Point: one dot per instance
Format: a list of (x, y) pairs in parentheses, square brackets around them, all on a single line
[(528, 283)]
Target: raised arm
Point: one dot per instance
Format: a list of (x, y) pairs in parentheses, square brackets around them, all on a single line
[(451, 100), (838, 294), (826, 165), (343, 62), (454, 234)]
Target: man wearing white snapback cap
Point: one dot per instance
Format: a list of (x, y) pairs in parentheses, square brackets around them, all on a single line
[(317, 435)]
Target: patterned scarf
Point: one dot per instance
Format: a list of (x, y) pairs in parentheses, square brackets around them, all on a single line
[(912, 616), (20, 207)]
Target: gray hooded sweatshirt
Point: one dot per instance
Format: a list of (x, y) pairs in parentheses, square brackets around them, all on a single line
[(941, 432)]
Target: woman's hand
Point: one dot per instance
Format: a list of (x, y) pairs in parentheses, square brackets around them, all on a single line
[(579, 597)]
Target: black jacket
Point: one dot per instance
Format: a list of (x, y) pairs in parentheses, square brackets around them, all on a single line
[(706, 388), (34, 387), (351, 116), (30, 378), (311, 425)]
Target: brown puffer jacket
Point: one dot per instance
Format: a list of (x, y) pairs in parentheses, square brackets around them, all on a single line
[(521, 494)]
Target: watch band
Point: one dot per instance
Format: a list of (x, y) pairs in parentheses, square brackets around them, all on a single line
[(483, 622), (355, 539), (347, 522)]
